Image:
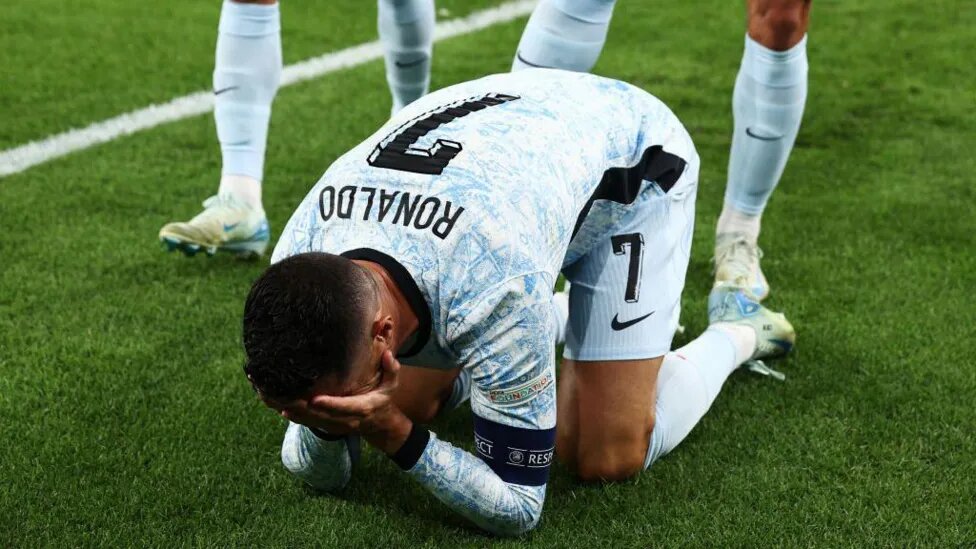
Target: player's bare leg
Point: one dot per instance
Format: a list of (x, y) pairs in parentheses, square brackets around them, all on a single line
[(778, 24), (246, 74), (606, 416), (768, 100)]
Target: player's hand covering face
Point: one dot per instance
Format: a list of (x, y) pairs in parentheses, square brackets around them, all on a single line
[(365, 410)]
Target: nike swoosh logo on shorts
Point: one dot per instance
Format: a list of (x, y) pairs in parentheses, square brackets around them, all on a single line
[(616, 325), (222, 90), (750, 133)]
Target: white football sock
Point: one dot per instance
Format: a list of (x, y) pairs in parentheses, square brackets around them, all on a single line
[(734, 221), (689, 380), (407, 33), (245, 79), (564, 34), (767, 105), (743, 339), (244, 188)]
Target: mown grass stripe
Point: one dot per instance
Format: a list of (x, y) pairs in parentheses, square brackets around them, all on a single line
[(31, 154)]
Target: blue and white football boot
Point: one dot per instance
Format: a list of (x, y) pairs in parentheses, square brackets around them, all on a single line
[(737, 263), (226, 224), (775, 335)]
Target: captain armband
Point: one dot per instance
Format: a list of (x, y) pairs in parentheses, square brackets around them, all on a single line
[(516, 455)]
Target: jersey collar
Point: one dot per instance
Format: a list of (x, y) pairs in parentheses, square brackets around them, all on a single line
[(410, 290)]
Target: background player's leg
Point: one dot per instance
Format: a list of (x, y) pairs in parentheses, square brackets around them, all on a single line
[(564, 34), (407, 31), (768, 99), (245, 79)]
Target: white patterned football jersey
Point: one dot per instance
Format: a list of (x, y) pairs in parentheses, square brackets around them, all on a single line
[(476, 196)]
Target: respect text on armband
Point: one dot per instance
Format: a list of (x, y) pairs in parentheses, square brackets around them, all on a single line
[(511, 455), (393, 207), (517, 455)]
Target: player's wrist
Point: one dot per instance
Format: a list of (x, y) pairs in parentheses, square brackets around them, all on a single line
[(412, 448)]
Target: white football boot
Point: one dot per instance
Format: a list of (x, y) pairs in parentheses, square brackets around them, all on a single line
[(775, 335), (226, 224), (737, 264)]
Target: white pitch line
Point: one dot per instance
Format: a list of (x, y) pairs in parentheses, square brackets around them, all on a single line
[(31, 154)]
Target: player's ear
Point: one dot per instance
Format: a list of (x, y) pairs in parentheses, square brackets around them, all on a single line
[(383, 330)]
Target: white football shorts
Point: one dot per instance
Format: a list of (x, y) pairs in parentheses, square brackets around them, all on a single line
[(625, 295)]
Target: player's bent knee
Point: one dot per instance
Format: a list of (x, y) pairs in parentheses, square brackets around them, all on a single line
[(609, 468), (567, 446), (783, 22), (600, 463)]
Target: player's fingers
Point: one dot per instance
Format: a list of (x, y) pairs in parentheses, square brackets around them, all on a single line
[(339, 407), (309, 414), (282, 404), (324, 413), (391, 372), (333, 426), (296, 415)]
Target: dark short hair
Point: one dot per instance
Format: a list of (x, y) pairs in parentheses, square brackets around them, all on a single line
[(305, 317)]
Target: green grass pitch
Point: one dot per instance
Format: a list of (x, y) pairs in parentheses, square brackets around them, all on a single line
[(125, 419)]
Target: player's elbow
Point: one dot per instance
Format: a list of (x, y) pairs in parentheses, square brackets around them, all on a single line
[(515, 523), (317, 471), (514, 513)]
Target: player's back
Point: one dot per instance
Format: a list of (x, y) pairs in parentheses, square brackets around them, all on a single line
[(508, 161)]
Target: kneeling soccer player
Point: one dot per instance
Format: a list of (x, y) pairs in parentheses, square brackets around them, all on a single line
[(439, 239)]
